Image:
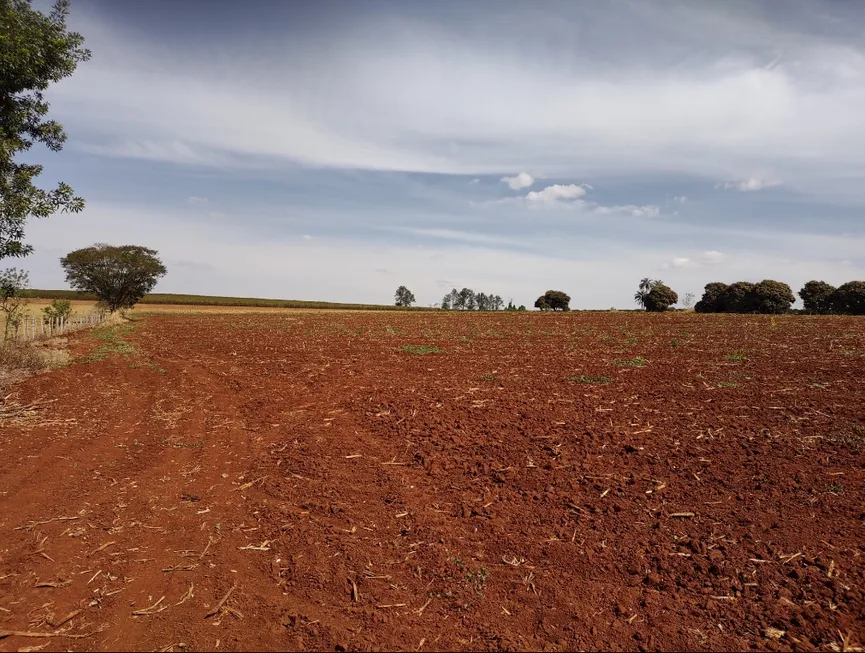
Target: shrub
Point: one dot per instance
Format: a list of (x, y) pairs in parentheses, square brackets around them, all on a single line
[(849, 298), (59, 309), (738, 298), (711, 300), (771, 297), (817, 297), (643, 290), (13, 303), (660, 298), (553, 300)]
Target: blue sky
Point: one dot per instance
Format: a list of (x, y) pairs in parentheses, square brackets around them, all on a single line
[(335, 150)]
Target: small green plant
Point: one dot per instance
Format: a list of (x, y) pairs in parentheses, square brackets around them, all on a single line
[(490, 377), (738, 356), (421, 350), (835, 488), (728, 384), (675, 343), (478, 580), (59, 309), (590, 379), (636, 361)]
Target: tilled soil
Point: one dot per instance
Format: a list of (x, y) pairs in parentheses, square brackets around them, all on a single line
[(441, 481)]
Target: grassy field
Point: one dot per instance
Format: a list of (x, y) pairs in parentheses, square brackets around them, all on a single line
[(165, 299)]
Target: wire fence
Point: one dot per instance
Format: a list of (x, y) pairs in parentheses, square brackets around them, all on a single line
[(35, 327)]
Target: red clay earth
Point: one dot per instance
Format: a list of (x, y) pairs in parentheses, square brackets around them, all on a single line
[(340, 492)]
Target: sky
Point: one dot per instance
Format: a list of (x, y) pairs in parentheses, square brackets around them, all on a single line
[(334, 150)]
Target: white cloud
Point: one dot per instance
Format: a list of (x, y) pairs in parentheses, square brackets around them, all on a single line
[(235, 260), (706, 259), (196, 201), (475, 181), (307, 237), (556, 193), (385, 97), (522, 180), (681, 199), (712, 257), (645, 211), (750, 185)]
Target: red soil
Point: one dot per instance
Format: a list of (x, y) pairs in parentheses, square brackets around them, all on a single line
[(357, 496)]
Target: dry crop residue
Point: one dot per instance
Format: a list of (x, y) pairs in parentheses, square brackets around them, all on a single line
[(441, 481)]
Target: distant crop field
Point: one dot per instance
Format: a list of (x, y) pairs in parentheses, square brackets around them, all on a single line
[(208, 300)]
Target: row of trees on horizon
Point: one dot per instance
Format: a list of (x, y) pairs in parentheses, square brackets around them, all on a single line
[(764, 297), (38, 50)]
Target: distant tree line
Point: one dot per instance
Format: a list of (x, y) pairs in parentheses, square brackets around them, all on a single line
[(775, 297), (469, 300), (767, 297), (822, 298)]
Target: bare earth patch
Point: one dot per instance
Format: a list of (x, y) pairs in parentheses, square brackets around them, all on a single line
[(309, 481)]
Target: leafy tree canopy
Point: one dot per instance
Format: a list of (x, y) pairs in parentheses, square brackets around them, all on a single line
[(770, 296), (711, 300), (660, 298), (849, 299), (817, 297), (403, 296), (35, 50), (553, 300), (118, 275)]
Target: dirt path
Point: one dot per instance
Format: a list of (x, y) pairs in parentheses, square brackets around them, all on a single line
[(524, 488)]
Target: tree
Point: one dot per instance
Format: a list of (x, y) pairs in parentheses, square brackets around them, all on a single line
[(446, 302), (59, 309), (817, 297), (498, 302), (738, 298), (13, 283), (771, 297), (118, 275), (688, 301), (849, 298), (403, 296), (554, 300), (660, 298), (541, 303), (35, 50), (711, 300), (468, 300), (645, 287), (483, 301)]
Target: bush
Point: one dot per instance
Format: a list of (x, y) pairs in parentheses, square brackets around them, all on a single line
[(817, 297), (737, 298), (59, 309), (768, 296), (711, 300), (553, 300), (771, 297), (660, 298), (849, 298), (13, 303)]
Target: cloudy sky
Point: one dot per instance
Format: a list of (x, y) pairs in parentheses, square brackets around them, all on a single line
[(335, 150)]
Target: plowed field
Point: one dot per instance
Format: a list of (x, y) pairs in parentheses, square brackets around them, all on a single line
[(440, 481)]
